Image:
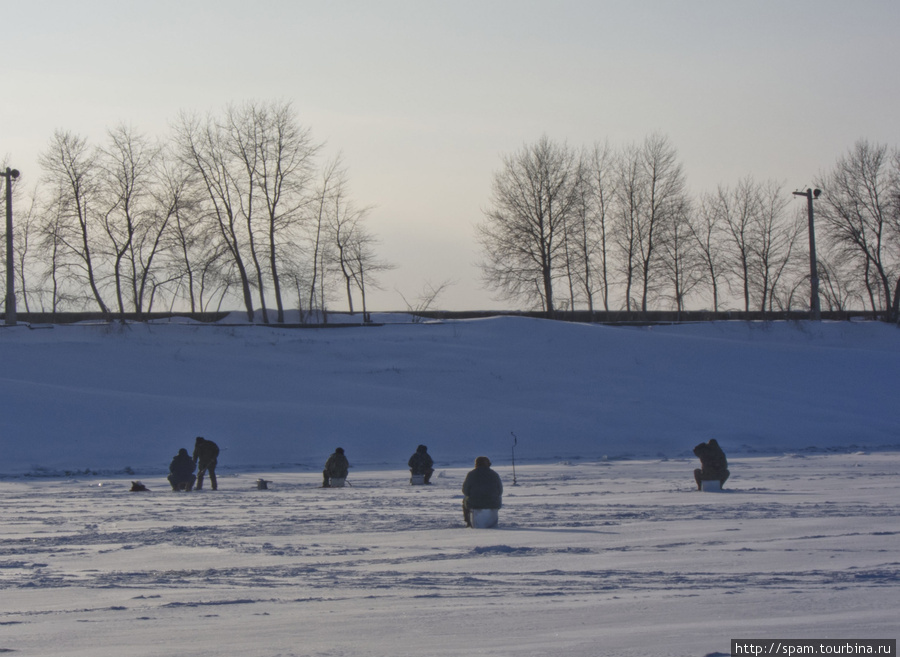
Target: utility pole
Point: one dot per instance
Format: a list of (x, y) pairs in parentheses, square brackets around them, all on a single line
[(10, 175), (814, 310)]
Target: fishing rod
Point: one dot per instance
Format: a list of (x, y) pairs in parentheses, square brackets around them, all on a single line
[(515, 442)]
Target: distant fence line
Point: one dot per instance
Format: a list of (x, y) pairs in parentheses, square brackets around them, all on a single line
[(640, 318), (75, 317), (614, 317)]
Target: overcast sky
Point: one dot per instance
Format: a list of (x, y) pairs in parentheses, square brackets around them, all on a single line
[(424, 97)]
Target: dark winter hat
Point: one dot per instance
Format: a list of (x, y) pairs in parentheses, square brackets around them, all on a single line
[(339, 450), (199, 439), (482, 462), (421, 449), (713, 441), (182, 452)]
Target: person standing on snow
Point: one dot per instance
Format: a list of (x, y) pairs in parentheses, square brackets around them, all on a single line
[(335, 467), (421, 463), (482, 489), (206, 455), (713, 464)]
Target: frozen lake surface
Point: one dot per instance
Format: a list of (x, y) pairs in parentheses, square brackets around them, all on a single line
[(619, 557)]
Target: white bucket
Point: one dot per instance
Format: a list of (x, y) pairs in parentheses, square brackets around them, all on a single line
[(484, 518), (417, 480), (711, 486), (337, 482)]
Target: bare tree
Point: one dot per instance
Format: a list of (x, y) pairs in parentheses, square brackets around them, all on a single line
[(629, 201), (663, 178), (353, 253), (205, 145), (135, 215), (762, 239), (256, 163), (241, 140), (534, 197), (366, 266), (860, 213), (285, 169), (188, 242), (329, 188), (346, 232), (737, 209), (684, 264), (50, 229), (777, 236), (588, 244), (425, 300), (602, 196), (650, 196), (705, 226), (839, 288), (71, 171)]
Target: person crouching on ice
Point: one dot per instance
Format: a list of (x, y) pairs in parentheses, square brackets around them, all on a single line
[(713, 464), (336, 467), (421, 463), (482, 489), (181, 471)]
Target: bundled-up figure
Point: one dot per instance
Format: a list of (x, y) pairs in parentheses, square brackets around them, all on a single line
[(206, 455), (482, 489), (713, 464), (336, 467), (421, 463), (181, 471)]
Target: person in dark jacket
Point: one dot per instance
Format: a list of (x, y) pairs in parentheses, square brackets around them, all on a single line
[(713, 464), (335, 467), (181, 471), (482, 489), (206, 456), (421, 463)]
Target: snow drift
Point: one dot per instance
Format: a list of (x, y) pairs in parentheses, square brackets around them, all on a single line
[(124, 398)]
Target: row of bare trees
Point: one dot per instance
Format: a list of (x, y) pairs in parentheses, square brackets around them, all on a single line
[(612, 228), (232, 205), (861, 220)]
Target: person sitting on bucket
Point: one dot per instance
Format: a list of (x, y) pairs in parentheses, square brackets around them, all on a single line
[(713, 464), (335, 467), (421, 463), (181, 471), (482, 489)]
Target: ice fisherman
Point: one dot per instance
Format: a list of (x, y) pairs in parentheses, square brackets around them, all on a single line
[(713, 464), (181, 471), (206, 456), (335, 467), (421, 463), (482, 489)]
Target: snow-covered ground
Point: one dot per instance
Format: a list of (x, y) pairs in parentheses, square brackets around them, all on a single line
[(110, 398), (602, 558), (604, 545)]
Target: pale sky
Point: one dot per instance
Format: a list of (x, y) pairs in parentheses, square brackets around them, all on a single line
[(424, 97)]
